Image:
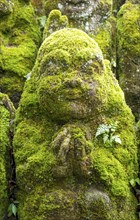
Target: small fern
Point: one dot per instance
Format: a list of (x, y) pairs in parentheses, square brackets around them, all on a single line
[(107, 134)]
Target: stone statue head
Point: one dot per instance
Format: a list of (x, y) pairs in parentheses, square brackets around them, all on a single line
[(68, 62)]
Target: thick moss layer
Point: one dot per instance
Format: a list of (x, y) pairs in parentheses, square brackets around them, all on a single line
[(20, 37), (6, 115), (129, 54), (59, 163)]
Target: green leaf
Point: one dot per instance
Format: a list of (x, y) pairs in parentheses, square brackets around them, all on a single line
[(42, 21), (10, 210), (137, 180), (14, 209), (105, 138), (133, 182), (102, 129), (117, 139)]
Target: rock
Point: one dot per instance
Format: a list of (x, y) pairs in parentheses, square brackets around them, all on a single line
[(61, 168), (128, 25), (19, 40)]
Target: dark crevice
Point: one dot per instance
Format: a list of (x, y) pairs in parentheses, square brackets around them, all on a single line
[(10, 161), (11, 176)]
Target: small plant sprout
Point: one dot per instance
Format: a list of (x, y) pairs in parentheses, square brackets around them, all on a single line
[(133, 182), (42, 21), (12, 208), (107, 134)]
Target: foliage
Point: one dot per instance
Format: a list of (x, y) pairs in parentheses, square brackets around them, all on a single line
[(42, 21), (133, 182), (107, 134), (12, 209)]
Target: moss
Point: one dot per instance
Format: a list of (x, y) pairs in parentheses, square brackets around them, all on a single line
[(20, 38), (55, 22), (70, 92), (104, 39), (129, 53), (51, 5), (111, 172)]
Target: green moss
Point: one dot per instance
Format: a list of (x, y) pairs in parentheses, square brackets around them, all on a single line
[(104, 39), (110, 172), (129, 53), (55, 22), (51, 5), (20, 38)]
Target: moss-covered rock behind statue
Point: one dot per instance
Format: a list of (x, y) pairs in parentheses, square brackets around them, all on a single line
[(19, 40), (128, 25), (61, 168)]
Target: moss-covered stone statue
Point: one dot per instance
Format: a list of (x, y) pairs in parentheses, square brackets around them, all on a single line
[(63, 171), (128, 50), (7, 113), (19, 41)]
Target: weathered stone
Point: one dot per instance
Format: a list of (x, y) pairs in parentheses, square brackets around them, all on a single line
[(61, 168)]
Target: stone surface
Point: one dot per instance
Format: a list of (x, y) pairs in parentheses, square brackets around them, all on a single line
[(61, 168)]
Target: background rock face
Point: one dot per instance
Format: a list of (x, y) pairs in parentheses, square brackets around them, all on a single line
[(19, 40), (61, 167), (128, 50)]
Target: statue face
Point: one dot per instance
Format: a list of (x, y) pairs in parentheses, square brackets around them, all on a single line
[(68, 91), (67, 85)]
